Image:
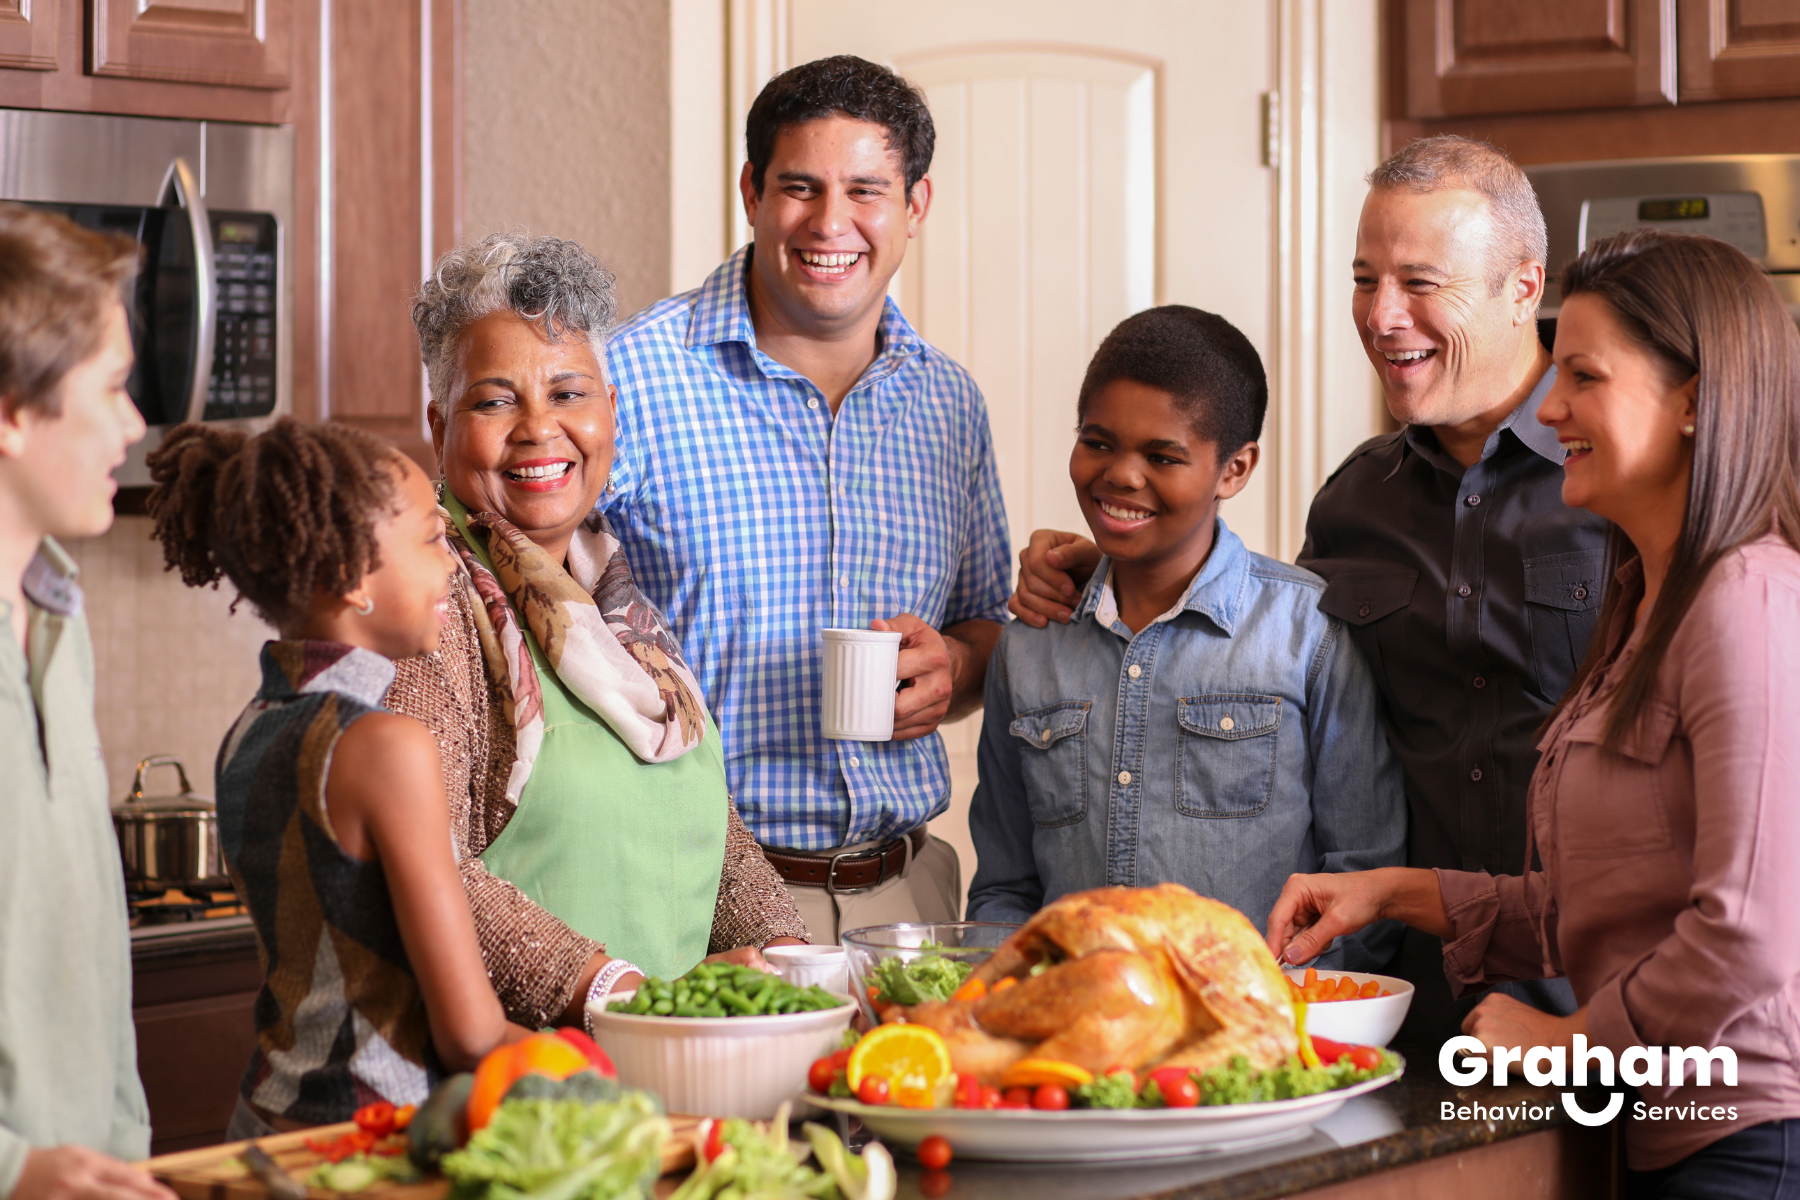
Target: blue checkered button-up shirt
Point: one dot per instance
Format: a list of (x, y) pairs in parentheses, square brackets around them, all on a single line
[(755, 519)]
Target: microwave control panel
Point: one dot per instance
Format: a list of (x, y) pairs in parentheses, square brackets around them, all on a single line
[(245, 248)]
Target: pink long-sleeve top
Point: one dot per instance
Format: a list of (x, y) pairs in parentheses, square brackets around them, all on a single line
[(1670, 889)]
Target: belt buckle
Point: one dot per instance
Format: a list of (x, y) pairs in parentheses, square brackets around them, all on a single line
[(831, 887)]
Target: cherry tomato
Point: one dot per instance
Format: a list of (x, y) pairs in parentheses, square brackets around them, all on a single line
[(376, 1119), (1328, 1050), (1365, 1058), (968, 1092), (1051, 1097), (715, 1140), (1016, 1095), (990, 1097), (934, 1153), (840, 1059), (872, 1090), (819, 1075), (933, 1184), (1179, 1093)]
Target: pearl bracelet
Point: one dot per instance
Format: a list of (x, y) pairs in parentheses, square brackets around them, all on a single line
[(602, 987)]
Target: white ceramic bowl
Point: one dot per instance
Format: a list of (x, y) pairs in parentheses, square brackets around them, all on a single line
[(1371, 1022), (720, 1066), (804, 966)]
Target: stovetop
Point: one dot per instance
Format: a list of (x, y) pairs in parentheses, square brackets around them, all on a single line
[(177, 907)]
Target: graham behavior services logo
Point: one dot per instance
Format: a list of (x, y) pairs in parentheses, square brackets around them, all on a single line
[(1549, 1066)]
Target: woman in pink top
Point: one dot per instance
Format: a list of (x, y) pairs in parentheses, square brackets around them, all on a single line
[(1665, 809)]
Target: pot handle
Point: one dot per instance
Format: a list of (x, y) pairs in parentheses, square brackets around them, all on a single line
[(158, 760)]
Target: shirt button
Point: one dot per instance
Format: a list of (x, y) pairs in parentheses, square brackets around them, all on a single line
[(1134, 670), (1581, 593), (1472, 501), (1125, 778), (843, 581), (1226, 723), (1479, 682), (1465, 591), (856, 762), (1475, 775), (813, 402), (1363, 611)]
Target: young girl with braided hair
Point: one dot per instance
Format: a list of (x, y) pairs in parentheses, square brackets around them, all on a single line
[(331, 809)]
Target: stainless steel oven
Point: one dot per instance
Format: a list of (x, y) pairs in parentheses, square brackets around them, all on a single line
[(1749, 200), (212, 204)]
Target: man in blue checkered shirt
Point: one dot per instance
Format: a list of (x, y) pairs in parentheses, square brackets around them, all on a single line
[(791, 457)]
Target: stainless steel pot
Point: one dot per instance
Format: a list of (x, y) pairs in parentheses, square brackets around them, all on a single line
[(169, 841)]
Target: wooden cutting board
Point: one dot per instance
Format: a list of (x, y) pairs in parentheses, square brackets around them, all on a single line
[(219, 1173)]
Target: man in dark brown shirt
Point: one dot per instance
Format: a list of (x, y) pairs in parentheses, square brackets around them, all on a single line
[(1447, 550)]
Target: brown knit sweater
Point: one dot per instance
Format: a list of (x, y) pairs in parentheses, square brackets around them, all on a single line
[(534, 960)]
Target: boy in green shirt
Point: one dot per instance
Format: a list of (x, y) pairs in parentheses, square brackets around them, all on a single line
[(71, 1105)]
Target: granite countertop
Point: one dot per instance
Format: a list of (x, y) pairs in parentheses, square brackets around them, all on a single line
[(1399, 1124)]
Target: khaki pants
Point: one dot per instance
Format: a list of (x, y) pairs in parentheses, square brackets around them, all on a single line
[(929, 890)]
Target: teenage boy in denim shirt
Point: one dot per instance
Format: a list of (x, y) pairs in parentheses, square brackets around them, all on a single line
[(1199, 721)]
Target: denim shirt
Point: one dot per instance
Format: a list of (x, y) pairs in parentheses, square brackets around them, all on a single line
[(1188, 752)]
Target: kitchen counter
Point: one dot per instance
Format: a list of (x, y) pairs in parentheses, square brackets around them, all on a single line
[(1390, 1143)]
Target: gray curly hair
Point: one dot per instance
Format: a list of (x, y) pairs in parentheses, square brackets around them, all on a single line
[(552, 281)]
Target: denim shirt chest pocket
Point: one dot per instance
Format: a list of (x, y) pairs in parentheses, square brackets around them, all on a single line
[(1226, 749), (1053, 761)]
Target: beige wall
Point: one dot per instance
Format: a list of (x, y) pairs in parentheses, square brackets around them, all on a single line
[(566, 129), (172, 666)]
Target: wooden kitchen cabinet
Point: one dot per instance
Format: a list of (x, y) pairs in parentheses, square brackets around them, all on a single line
[(1467, 57), (231, 43), (1739, 49), (28, 35)]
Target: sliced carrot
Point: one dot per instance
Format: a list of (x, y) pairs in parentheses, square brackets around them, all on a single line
[(972, 989), (1000, 985)]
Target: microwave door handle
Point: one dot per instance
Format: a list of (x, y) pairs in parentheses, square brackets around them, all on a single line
[(184, 188)]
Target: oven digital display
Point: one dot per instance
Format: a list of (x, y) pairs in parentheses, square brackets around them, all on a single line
[(1692, 208)]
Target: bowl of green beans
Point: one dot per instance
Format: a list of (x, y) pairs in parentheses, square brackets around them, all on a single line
[(722, 1040)]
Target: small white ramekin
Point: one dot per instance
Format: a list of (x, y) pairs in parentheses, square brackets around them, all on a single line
[(720, 1066), (804, 966)]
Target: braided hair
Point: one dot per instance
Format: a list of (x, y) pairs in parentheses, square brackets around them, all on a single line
[(285, 515)]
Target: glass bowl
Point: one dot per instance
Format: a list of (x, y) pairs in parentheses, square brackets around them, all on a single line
[(971, 941)]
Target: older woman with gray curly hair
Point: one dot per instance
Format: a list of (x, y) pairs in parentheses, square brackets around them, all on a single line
[(586, 779)]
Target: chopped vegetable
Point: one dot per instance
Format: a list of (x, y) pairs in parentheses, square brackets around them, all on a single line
[(723, 990), (376, 1118), (360, 1171), (1117, 1089), (1316, 989), (564, 1150)]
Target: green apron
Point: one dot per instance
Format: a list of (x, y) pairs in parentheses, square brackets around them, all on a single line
[(626, 852)]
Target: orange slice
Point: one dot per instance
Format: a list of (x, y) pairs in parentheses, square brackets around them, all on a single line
[(913, 1059), (1035, 1072)]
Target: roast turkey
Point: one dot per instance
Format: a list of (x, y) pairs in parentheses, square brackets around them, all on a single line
[(1123, 977)]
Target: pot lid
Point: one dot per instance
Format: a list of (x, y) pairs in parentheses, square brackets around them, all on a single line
[(186, 801)]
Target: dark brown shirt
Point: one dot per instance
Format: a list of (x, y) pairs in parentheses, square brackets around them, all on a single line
[(1472, 593)]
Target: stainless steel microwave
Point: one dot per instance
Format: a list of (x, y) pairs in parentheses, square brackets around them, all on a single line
[(211, 203)]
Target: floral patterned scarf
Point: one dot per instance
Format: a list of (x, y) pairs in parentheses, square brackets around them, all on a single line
[(605, 641)]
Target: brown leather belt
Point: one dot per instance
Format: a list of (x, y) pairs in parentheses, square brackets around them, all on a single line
[(847, 872)]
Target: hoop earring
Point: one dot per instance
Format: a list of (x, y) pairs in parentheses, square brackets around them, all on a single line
[(366, 607)]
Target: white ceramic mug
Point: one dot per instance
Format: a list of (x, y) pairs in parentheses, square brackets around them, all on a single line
[(803, 966), (862, 668)]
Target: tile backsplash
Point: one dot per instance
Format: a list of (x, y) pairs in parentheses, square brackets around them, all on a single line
[(173, 666)]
